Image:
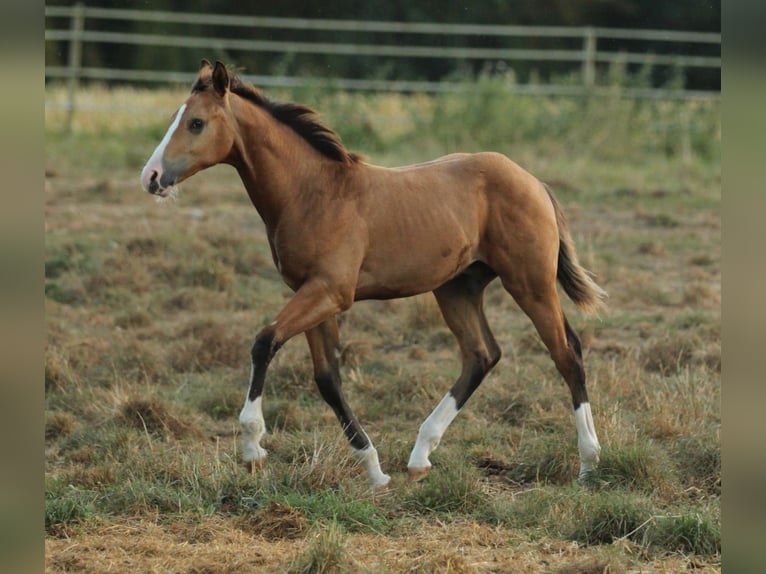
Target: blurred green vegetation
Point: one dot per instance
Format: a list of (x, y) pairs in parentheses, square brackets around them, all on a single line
[(685, 15)]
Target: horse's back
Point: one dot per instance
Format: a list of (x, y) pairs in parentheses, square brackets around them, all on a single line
[(459, 156), (469, 190), (509, 206), (497, 171)]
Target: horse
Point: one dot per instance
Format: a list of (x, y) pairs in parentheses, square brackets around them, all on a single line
[(343, 230)]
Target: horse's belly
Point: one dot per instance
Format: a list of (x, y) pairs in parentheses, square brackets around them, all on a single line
[(412, 271)]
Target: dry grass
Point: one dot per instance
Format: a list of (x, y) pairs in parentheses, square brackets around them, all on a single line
[(58, 425), (151, 310), (277, 521), (219, 545), (154, 416)]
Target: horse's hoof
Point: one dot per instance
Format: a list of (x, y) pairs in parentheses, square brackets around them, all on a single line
[(590, 479), (416, 474), (381, 487)]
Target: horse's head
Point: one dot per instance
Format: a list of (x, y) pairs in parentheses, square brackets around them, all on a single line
[(200, 135)]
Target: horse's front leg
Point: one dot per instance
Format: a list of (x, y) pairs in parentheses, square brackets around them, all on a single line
[(251, 423), (312, 304), (324, 344)]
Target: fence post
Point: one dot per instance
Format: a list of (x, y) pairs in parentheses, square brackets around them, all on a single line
[(75, 60), (589, 59)]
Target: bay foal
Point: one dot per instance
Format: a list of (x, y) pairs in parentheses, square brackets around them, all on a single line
[(343, 230)]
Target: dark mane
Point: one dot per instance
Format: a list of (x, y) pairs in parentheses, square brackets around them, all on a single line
[(302, 119)]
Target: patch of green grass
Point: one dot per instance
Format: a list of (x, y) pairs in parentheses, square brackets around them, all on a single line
[(77, 255), (327, 551), (221, 404), (688, 533), (66, 507), (532, 508), (108, 148), (699, 463), (352, 513), (64, 294), (452, 487), (548, 459), (620, 514), (611, 515), (146, 495), (637, 466), (97, 441), (694, 319)]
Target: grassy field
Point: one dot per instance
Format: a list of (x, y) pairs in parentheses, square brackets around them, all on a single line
[(152, 308)]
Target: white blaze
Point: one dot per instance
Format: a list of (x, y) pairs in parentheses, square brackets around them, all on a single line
[(155, 162)]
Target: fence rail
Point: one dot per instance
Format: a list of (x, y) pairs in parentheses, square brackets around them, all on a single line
[(70, 25)]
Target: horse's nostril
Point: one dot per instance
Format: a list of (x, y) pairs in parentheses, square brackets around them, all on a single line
[(154, 176)]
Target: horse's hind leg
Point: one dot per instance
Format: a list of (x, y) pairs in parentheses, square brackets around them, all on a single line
[(460, 301), (539, 299), (323, 343)]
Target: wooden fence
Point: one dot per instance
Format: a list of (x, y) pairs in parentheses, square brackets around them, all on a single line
[(584, 60)]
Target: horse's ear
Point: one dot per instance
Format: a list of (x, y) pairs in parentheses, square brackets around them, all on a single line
[(220, 78), (205, 64)]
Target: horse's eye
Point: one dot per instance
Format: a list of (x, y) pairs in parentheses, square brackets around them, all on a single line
[(196, 125)]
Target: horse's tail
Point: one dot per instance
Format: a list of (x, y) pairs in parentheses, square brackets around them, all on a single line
[(576, 281)]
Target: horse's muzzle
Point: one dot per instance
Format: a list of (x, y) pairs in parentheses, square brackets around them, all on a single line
[(150, 178), (155, 180), (153, 186)]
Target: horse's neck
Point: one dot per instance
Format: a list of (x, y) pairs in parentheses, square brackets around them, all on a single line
[(273, 162)]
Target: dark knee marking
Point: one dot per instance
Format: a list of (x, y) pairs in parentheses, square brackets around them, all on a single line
[(472, 377), (261, 353), (264, 348), (329, 388), (329, 385)]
